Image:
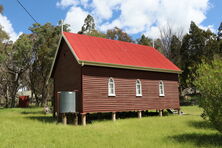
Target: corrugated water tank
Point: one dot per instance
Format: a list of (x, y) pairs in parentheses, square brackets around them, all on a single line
[(67, 102)]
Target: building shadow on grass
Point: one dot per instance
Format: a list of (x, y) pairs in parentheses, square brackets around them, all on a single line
[(44, 119), (119, 115), (205, 140)]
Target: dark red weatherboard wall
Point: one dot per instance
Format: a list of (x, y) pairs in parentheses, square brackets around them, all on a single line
[(95, 93), (67, 75), (92, 85)]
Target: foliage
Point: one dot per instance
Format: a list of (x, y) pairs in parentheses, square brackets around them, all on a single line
[(1, 9), (17, 59), (45, 38), (168, 35), (144, 41), (219, 34), (175, 47), (88, 25), (97, 33), (209, 83), (196, 46), (118, 34), (89, 28)]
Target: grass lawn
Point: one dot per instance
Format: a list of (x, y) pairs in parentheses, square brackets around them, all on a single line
[(27, 128)]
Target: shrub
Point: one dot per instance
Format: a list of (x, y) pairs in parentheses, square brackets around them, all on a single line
[(209, 83)]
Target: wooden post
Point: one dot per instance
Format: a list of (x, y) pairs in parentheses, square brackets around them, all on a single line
[(114, 116), (83, 115), (139, 114), (179, 112), (64, 119), (75, 119), (58, 115), (160, 113)]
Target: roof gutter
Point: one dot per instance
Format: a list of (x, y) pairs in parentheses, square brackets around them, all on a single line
[(128, 67)]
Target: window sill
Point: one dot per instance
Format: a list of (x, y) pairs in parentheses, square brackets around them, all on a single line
[(162, 95), (139, 95), (111, 95)]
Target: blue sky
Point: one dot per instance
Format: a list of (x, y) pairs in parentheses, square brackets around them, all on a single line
[(135, 17)]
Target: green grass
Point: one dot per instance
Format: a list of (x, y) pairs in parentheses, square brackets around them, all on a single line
[(27, 128)]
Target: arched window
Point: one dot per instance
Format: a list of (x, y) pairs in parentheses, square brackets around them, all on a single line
[(111, 87), (161, 89), (138, 88)]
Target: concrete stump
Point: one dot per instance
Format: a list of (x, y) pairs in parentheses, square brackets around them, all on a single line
[(83, 116), (160, 113), (114, 116), (64, 119), (75, 119), (179, 112), (139, 114)]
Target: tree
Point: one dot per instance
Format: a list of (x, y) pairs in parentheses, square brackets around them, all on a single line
[(4, 44), (144, 41), (219, 38), (196, 45), (175, 47), (88, 25), (97, 33), (208, 82), (17, 58), (89, 28), (166, 36), (1, 9), (45, 38), (118, 34), (219, 34)]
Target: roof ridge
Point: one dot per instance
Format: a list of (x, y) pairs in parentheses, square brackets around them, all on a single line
[(110, 39)]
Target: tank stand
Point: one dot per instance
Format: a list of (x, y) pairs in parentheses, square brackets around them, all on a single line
[(64, 119), (83, 116), (75, 118)]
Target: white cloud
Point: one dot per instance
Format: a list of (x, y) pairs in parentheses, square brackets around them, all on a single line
[(144, 16), (211, 27), (75, 17), (66, 3), (104, 8), (7, 27)]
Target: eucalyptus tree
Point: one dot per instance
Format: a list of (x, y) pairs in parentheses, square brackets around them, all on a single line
[(45, 41)]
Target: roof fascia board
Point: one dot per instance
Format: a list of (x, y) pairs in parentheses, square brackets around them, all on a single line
[(54, 59), (70, 47), (129, 67)]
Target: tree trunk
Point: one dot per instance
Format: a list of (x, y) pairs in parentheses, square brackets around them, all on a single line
[(6, 98), (37, 100), (14, 89), (13, 97), (44, 95)]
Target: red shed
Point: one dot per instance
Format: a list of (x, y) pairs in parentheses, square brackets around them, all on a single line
[(113, 76)]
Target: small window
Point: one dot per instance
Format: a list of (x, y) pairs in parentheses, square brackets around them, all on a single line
[(111, 87), (161, 89), (138, 88)]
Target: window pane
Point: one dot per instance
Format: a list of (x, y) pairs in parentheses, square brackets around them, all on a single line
[(111, 91), (111, 87), (138, 88), (161, 88)]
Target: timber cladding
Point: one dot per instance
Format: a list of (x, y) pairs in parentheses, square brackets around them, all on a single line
[(67, 76), (92, 85), (95, 90)]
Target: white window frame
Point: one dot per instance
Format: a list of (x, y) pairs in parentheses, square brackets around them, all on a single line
[(138, 82), (111, 81), (161, 86)]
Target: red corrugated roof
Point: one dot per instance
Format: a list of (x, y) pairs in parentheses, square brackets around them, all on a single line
[(94, 49)]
